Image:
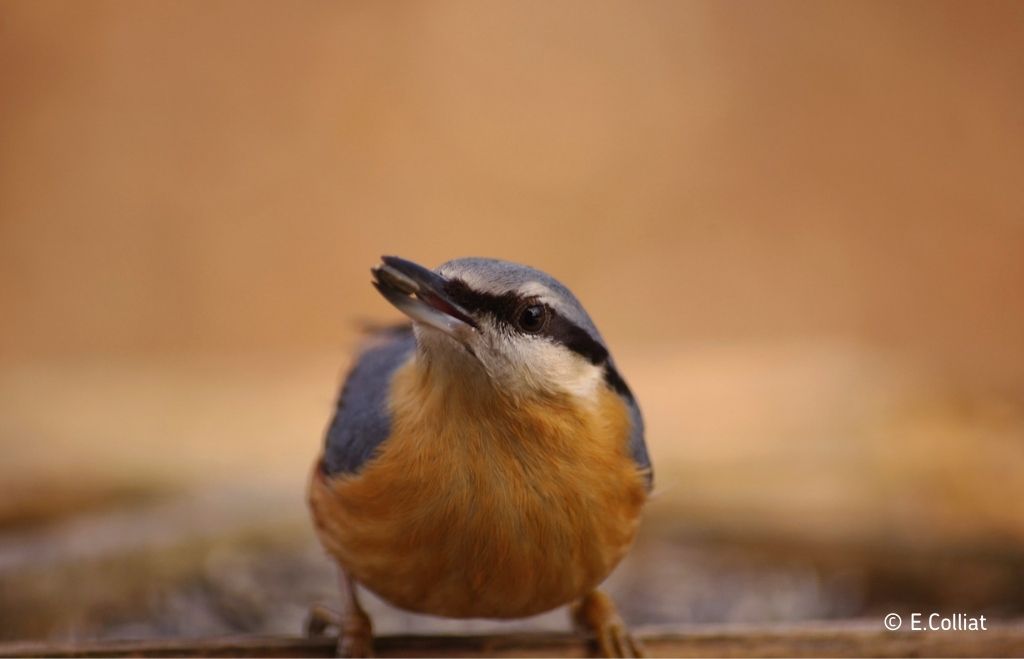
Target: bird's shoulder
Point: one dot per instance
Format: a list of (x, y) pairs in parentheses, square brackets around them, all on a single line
[(362, 420), (637, 442)]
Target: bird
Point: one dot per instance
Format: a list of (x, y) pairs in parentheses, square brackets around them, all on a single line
[(486, 460)]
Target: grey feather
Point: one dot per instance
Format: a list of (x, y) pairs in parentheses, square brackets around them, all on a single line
[(362, 421), (638, 446)]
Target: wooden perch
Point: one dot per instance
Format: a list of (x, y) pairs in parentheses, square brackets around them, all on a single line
[(843, 639)]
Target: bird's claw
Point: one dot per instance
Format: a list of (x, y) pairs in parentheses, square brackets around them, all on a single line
[(614, 640), (355, 644), (355, 633), (596, 615)]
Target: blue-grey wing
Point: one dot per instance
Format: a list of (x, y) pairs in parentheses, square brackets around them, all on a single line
[(362, 420), (637, 445)]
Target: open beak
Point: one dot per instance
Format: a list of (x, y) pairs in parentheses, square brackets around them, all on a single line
[(419, 293)]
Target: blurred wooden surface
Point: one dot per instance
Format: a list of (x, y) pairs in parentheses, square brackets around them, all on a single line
[(846, 639)]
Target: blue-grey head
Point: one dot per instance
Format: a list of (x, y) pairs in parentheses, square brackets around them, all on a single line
[(517, 325)]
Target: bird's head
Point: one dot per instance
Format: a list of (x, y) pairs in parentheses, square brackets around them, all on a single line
[(519, 327)]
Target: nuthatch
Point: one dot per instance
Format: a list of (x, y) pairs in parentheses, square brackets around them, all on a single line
[(488, 461)]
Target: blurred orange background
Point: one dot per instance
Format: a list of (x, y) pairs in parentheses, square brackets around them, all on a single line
[(799, 225)]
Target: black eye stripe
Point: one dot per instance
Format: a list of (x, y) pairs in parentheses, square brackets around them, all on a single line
[(505, 306), (500, 306), (615, 381), (559, 329), (576, 339)]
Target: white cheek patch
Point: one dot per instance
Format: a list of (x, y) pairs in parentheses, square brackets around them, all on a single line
[(443, 349), (544, 365), (531, 364)]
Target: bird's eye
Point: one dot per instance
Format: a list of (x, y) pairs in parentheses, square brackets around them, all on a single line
[(532, 318)]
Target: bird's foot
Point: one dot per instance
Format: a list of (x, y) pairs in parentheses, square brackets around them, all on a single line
[(355, 632), (596, 615)]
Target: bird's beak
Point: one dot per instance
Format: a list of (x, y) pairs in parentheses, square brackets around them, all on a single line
[(420, 294)]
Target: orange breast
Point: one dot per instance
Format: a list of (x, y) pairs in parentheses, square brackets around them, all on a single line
[(510, 512)]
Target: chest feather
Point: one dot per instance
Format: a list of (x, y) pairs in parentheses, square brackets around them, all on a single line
[(475, 507)]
